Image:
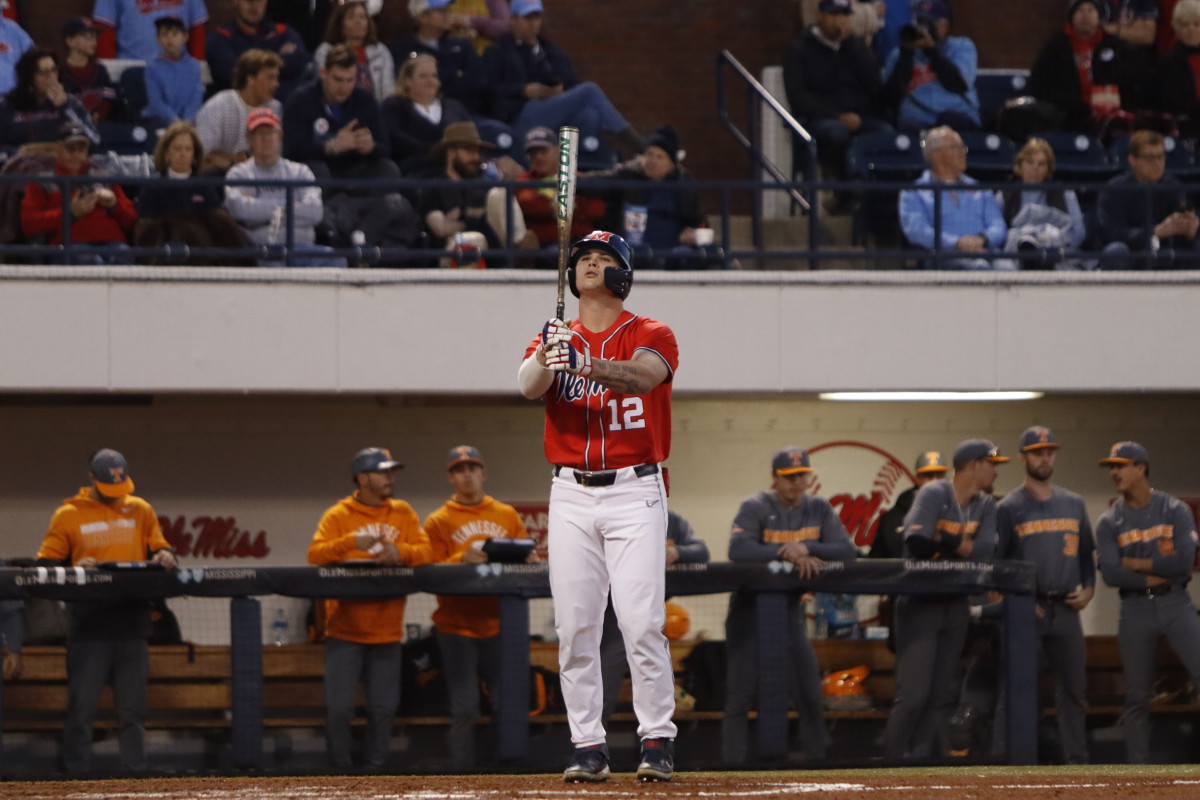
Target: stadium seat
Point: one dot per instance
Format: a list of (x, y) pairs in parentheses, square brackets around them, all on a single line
[(995, 87), (1079, 157), (990, 156), (133, 91), (882, 157)]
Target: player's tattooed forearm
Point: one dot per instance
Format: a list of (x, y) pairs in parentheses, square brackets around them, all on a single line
[(624, 378)]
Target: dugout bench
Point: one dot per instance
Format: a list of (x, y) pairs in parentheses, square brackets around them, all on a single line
[(253, 688)]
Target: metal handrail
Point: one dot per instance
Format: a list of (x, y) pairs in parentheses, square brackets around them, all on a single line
[(757, 98)]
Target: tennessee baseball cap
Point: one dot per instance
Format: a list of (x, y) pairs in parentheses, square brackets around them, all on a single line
[(523, 8), (540, 137), (111, 473), (976, 450), (930, 462), (791, 460), (78, 25), (1126, 453), (835, 7), (263, 116), (374, 459), (464, 454), (1039, 437)]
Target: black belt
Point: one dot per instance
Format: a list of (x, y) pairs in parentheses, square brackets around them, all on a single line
[(1053, 597), (1152, 591), (607, 477)]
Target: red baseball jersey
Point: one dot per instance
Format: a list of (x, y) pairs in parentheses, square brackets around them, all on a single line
[(591, 427)]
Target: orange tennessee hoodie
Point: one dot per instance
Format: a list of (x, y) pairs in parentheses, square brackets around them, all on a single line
[(452, 529), (82, 527), (367, 621)]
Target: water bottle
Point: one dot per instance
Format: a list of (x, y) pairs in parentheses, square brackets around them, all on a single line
[(279, 628)]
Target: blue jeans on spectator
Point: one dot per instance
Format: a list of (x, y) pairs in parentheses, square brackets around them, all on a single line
[(307, 255), (118, 254), (585, 107), (833, 142)]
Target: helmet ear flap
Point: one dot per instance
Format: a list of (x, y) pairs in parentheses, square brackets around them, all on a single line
[(571, 280)]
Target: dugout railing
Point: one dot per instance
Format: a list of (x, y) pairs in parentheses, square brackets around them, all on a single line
[(774, 583)]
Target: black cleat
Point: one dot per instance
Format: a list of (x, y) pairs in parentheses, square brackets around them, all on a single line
[(658, 760), (588, 765)]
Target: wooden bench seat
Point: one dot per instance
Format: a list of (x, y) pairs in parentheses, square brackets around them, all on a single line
[(189, 686)]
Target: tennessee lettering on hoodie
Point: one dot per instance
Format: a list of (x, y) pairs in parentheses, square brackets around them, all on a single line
[(453, 529), (367, 621), (125, 531)]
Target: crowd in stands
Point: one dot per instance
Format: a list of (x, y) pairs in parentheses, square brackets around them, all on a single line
[(359, 111), (452, 101), (1117, 81)]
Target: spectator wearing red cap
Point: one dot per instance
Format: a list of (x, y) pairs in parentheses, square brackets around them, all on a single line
[(262, 210)]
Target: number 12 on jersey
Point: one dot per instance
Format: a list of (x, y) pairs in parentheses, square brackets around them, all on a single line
[(626, 415)]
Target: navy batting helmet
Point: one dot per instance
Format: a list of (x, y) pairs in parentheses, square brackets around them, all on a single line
[(619, 280)]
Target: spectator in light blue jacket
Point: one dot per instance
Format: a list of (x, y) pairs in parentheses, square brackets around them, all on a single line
[(174, 87), (971, 222), (930, 78)]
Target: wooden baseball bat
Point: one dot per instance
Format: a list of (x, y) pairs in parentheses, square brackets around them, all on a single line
[(568, 162)]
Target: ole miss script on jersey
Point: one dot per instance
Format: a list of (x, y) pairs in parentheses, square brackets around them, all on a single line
[(591, 427)]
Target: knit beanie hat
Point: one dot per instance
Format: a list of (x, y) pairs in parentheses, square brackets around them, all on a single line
[(1101, 6), (666, 139)]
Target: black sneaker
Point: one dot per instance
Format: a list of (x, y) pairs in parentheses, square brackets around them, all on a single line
[(658, 760), (588, 765)]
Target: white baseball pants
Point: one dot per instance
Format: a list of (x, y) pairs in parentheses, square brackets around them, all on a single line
[(614, 537)]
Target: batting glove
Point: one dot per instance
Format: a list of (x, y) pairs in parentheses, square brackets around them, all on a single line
[(555, 331), (567, 357)]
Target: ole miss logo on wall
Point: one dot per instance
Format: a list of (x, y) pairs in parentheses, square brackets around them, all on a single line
[(861, 481)]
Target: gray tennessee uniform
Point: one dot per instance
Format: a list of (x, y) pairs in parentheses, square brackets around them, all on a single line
[(1056, 535), (931, 630), (763, 524), (614, 663), (1162, 531)]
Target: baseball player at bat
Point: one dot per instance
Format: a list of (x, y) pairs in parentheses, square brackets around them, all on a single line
[(950, 519), (606, 378), (1049, 525), (1147, 544)]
